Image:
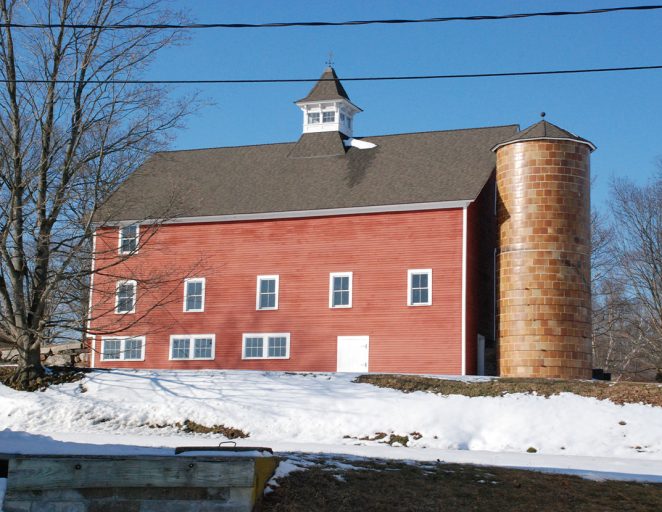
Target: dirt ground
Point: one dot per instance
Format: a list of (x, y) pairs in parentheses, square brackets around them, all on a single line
[(366, 485), (617, 392)]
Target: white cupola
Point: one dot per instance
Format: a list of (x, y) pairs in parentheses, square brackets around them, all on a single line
[(327, 107)]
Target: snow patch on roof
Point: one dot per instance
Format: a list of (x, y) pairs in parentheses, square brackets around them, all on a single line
[(359, 144)]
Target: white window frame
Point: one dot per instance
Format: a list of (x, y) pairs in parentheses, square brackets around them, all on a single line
[(257, 294), (192, 338), (117, 296), (265, 346), (119, 238), (410, 273), (204, 286), (122, 340), (340, 274)]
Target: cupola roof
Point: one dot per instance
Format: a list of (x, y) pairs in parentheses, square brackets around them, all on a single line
[(327, 88), (543, 130)]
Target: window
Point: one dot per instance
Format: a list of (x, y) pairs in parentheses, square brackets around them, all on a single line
[(340, 290), (266, 346), (194, 295), (328, 117), (128, 239), (198, 346), (123, 349), (267, 292), (313, 117), (125, 297), (419, 287)]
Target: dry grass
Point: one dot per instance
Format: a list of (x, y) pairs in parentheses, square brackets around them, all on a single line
[(398, 486), (620, 393)]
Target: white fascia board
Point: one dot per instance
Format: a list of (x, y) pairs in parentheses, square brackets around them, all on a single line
[(298, 214)]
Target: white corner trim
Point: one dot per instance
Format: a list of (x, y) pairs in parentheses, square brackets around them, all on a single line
[(464, 290), (90, 302), (298, 214)]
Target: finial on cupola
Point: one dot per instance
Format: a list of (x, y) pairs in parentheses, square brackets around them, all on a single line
[(329, 61), (542, 115)]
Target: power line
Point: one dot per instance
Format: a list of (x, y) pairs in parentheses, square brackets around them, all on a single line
[(122, 26), (348, 79)]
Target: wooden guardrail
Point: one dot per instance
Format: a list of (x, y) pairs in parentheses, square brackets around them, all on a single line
[(137, 483)]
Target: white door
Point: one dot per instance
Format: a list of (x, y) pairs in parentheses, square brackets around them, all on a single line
[(353, 353)]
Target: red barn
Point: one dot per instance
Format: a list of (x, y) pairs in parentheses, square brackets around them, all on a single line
[(332, 253)]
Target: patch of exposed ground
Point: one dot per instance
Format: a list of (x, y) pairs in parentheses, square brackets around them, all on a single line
[(335, 484), (617, 392), (381, 437), (191, 427)]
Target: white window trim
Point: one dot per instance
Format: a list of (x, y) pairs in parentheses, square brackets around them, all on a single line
[(191, 356), (340, 274), (119, 239), (122, 347), (204, 286), (410, 273), (265, 346), (117, 297), (257, 294)]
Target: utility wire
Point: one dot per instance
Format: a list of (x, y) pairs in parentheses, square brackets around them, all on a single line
[(349, 79), (121, 26)]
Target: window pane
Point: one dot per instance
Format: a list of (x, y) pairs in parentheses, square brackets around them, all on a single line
[(125, 297), (180, 348), (423, 280), (277, 346), (133, 348), (267, 293), (128, 238), (253, 347), (202, 348), (111, 349), (313, 118), (415, 296), (415, 280), (194, 295), (328, 117), (424, 295), (193, 302), (268, 300)]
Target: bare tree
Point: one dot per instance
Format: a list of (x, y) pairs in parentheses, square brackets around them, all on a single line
[(72, 128), (637, 213)]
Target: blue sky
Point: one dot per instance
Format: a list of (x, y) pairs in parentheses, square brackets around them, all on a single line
[(619, 112)]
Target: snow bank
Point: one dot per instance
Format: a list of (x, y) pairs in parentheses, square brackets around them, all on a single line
[(323, 412)]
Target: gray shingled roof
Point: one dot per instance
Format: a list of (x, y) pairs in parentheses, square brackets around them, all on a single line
[(327, 88), (542, 130), (402, 169)]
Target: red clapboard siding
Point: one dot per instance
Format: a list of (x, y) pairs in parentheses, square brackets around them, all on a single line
[(377, 248)]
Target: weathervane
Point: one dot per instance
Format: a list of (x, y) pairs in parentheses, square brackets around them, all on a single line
[(329, 61)]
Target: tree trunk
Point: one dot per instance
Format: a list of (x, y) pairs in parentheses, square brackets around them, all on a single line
[(29, 368)]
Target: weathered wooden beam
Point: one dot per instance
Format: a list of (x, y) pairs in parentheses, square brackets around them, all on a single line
[(81, 472)]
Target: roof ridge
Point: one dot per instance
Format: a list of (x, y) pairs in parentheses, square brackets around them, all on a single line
[(355, 137), (441, 131)]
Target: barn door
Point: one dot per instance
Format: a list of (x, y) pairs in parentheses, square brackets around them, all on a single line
[(353, 353)]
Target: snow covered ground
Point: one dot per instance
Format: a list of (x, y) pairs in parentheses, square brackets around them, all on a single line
[(111, 412)]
